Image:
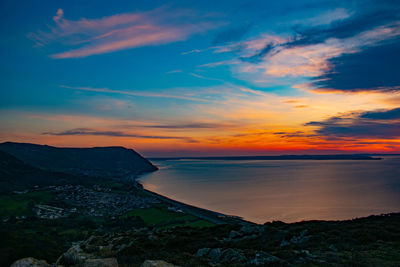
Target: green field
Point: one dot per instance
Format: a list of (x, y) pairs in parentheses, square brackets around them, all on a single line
[(19, 205)]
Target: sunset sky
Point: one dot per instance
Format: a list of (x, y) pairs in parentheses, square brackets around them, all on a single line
[(181, 78)]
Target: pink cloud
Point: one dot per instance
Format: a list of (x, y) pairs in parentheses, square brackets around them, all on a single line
[(121, 31)]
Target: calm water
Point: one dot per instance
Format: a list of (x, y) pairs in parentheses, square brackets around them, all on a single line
[(290, 190)]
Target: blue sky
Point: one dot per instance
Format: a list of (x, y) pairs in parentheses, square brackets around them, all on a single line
[(201, 77)]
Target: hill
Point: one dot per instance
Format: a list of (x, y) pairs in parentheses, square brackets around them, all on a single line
[(96, 161), (15, 175)]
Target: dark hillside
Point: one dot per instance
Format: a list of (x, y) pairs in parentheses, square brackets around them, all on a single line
[(16, 175), (97, 161)]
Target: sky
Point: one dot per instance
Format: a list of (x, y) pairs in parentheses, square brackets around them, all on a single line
[(202, 78)]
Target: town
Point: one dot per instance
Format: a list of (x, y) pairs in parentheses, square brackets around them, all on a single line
[(91, 201)]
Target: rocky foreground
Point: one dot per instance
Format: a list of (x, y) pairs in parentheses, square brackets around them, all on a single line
[(371, 241)]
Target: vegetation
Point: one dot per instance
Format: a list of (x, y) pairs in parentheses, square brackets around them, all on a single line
[(160, 217), (372, 241), (21, 205)]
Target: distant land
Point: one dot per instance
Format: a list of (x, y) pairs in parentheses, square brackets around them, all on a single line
[(96, 161), (281, 157)]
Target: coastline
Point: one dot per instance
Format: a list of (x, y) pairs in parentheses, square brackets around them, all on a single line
[(212, 216), (182, 192), (221, 218)]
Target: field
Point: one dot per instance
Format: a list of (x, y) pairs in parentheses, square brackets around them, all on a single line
[(21, 205)]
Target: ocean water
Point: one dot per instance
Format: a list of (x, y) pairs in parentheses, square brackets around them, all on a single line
[(286, 190)]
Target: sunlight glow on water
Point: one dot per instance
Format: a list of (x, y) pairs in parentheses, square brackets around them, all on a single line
[(287, 190)]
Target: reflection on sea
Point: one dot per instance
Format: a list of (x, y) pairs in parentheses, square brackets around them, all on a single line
[(287, 190)]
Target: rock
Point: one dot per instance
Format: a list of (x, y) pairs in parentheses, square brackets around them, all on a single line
[(215, 254), (234, 234), (153, 237), (123, 246), (156, 263), (74, 256), (90, 240), (30, 262), (202, 252), (304, 253), (299, 239), (308, 254), (263, 258), (233, 255), (284, 243), (250, 229), (333, 248), (107, 262), (246, 237)]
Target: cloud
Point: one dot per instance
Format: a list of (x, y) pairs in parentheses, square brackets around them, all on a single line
[(219, 63), (291, 101), (190, 126), (121, 31), (361, 21), (259, 55), (392, 114), (302, 106), (318, 46), (231, 34), (393, 100), (295, 134), (328, 17), (375, 68), (133, 93), (381, 124), (251, 134), (314, 58), (87, 131), (174, 71), (192, 51), (205, 78), (59, 15)]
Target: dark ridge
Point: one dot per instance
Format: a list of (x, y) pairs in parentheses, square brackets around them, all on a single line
[(16, 175), (96, 161)]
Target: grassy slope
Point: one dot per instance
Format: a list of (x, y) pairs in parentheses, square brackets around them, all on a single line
[(18, 205)]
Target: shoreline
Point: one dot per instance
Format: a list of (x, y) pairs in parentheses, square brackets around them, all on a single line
[(206, 214), (221, 218)]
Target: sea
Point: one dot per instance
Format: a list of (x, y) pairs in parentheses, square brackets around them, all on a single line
[(286, 190)]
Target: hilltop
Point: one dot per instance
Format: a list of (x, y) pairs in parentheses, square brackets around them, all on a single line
[(96, 161)]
